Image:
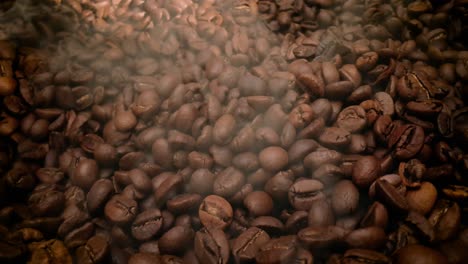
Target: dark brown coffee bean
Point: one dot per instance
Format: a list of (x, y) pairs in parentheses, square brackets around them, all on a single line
[(147, 224), (215, 212), (211, 246), (352, 119), (140, 180), (407, 141), (418, 254), (121, 209), (335, 137), (377, 215), (96, 249), (365, 171), (248, 243), (184, 203), (223, 129), (322, 156), (168, 188), (390, 196), (85, 173), (228, 182), (445, 217), (144, 258), (46, 200), (364, 255), (297, 221), (176, 240), (278, 250), (273, 158), (50, 250), (321, 214), (201, 181), (273, 226), (368, 237), (98, 194), (258, 203), (321, 237), (301, 148), (246, 161), (345, 198), (278, 186), (199, 160), (303, 193)]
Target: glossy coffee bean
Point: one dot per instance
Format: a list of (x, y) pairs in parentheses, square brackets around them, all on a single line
[(215, 212)]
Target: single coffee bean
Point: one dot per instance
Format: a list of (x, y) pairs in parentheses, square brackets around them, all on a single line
[(223, 129), (321, 237), (418, 254), (368, 238), (273, 158), (201, 181), (345, 198), (258, 203), (228, 182), (211, 246), (322, 156), (147, 224), (377, 215), (352, 119), (121, 209), (335, 137), (390, 196), (85, 173), (215, 212), (321, 214), (297, 221), (364, 255), (98, 195), (278, 250), (248, 243), (176, 240), (365, 171), (303, 193), (273, 226)]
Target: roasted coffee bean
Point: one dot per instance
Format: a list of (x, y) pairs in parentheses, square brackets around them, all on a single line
[(352, 118), (258, 203), (364, 255), (278, 250), (321, 237), (85, 173), (273, 158), (228, 182), (175, 240), (215, 212), (303, 193), (211, 246), (344, 198), (98, 195), (95, 250), (121, 209), (423, 198), (365, 171), (147, 224), (248, 243), (335, 137), (390, 196), (419, 254)]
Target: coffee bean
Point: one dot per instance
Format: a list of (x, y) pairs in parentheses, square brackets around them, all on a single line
[(344, 198), (248, 243), (211, 246), (147, 224), (277, 250), (175, 240), (258, 203), (121, 209), (273, 158), (215, 212), (85, 173), (365, 171), (228, 182), (303, 193)]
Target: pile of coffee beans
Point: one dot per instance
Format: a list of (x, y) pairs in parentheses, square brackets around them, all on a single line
[(233, 131)]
